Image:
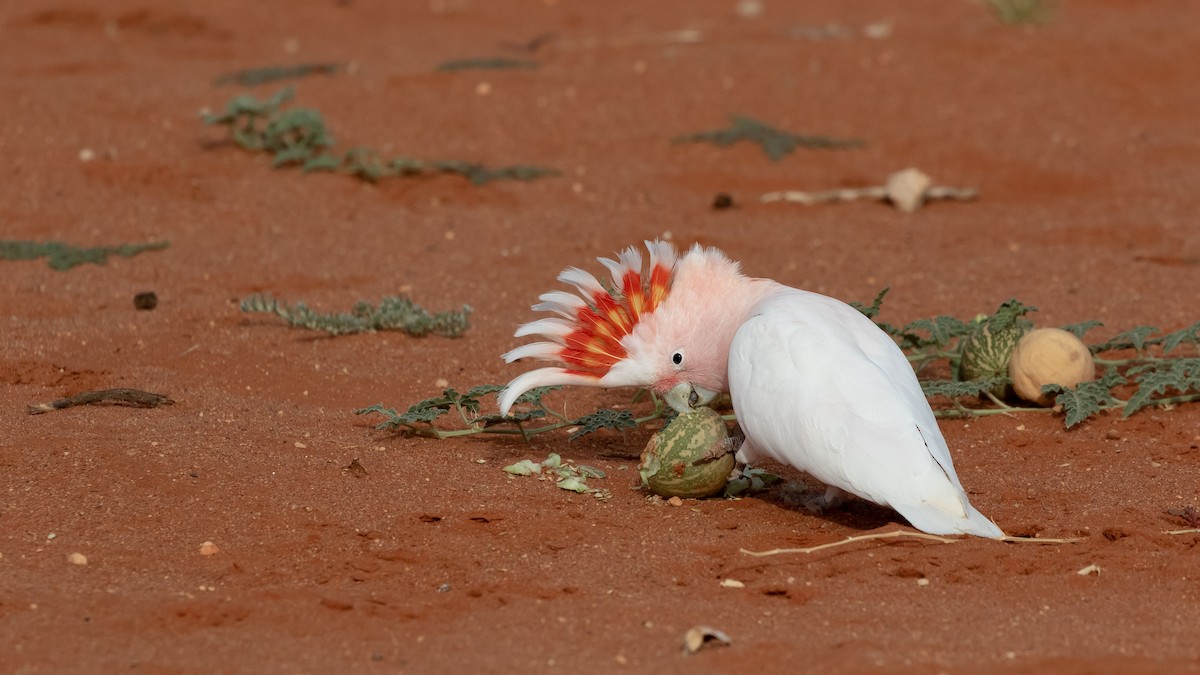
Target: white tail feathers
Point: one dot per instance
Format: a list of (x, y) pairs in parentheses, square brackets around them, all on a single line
[(929, 518)]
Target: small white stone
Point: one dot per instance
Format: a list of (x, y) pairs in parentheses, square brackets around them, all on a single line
[(906, 189), (87, 155), (77, 559), (732, 583), (208, 548), (749, 9), (878, 30)]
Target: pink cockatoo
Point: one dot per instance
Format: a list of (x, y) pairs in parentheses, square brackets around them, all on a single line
[(815, 384)]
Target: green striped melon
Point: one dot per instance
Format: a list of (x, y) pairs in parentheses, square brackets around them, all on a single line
[(986, 352), (685, 459)]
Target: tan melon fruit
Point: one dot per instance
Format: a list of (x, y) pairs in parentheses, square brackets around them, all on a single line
[(1049, 356)]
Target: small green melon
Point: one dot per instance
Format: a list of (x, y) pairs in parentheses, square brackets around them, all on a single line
[(685, 459), (986, 352)]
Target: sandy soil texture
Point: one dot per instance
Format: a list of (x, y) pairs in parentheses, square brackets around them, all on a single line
[(1080, 135)]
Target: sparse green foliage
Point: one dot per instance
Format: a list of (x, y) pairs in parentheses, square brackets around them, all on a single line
[(1134, 338), (393, 313), (487, 63), (1022, 12), (1087, 398), (253, 77), (62, 257), (927, 341), (776, 143), (603, 419), (873, 310), (299, 136), (1081, 328), (1156, 378), (962, 388), (530, 406), (749, 481)]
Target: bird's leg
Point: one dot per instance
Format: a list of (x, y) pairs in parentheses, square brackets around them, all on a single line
[(833, 498)]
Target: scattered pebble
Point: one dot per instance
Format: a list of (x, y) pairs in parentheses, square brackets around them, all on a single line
[(749, 9), (1090, 569), (675, 501), (148, 300), (77, 559), (51, 536), (922, 581), (444, 588), (732, 583), (483, 88), (1112, 435), (878, 30), (699, 636), (87, 155), (723, 200), (441, 383), (208, 548), (300, 445)]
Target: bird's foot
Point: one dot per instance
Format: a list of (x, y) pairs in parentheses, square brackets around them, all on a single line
[(822, 503)]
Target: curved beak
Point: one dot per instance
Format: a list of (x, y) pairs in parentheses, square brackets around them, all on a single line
[(685, 396)]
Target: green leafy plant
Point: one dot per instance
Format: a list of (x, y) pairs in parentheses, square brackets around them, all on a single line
[(393, 313), (253, 77), (1157, 375), (1022, 12), (776, 143), (299, 136), (749, 481), (487, 63), (530, 416), (1154, 373), (60, 256)]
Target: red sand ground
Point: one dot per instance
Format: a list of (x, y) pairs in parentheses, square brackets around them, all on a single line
[(1081, 135)]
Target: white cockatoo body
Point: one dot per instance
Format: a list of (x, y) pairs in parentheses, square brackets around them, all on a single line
[(815, 384), (818, 386)]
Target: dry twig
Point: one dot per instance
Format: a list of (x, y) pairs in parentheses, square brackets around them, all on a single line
[(133, 397), (907, 190), (850, 540)]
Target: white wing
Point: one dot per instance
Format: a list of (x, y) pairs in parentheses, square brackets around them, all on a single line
[(818, 386)]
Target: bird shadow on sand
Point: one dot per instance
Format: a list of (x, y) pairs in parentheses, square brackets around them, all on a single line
[(853, 513)]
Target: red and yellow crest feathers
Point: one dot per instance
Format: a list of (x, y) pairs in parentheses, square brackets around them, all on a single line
[(586, 336)]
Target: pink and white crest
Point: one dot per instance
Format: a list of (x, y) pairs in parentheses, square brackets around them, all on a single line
[(588, 333)]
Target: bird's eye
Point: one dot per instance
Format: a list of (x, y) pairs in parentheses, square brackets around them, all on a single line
[(677, 358)]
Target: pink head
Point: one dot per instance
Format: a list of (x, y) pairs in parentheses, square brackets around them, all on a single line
[(668, 329)]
